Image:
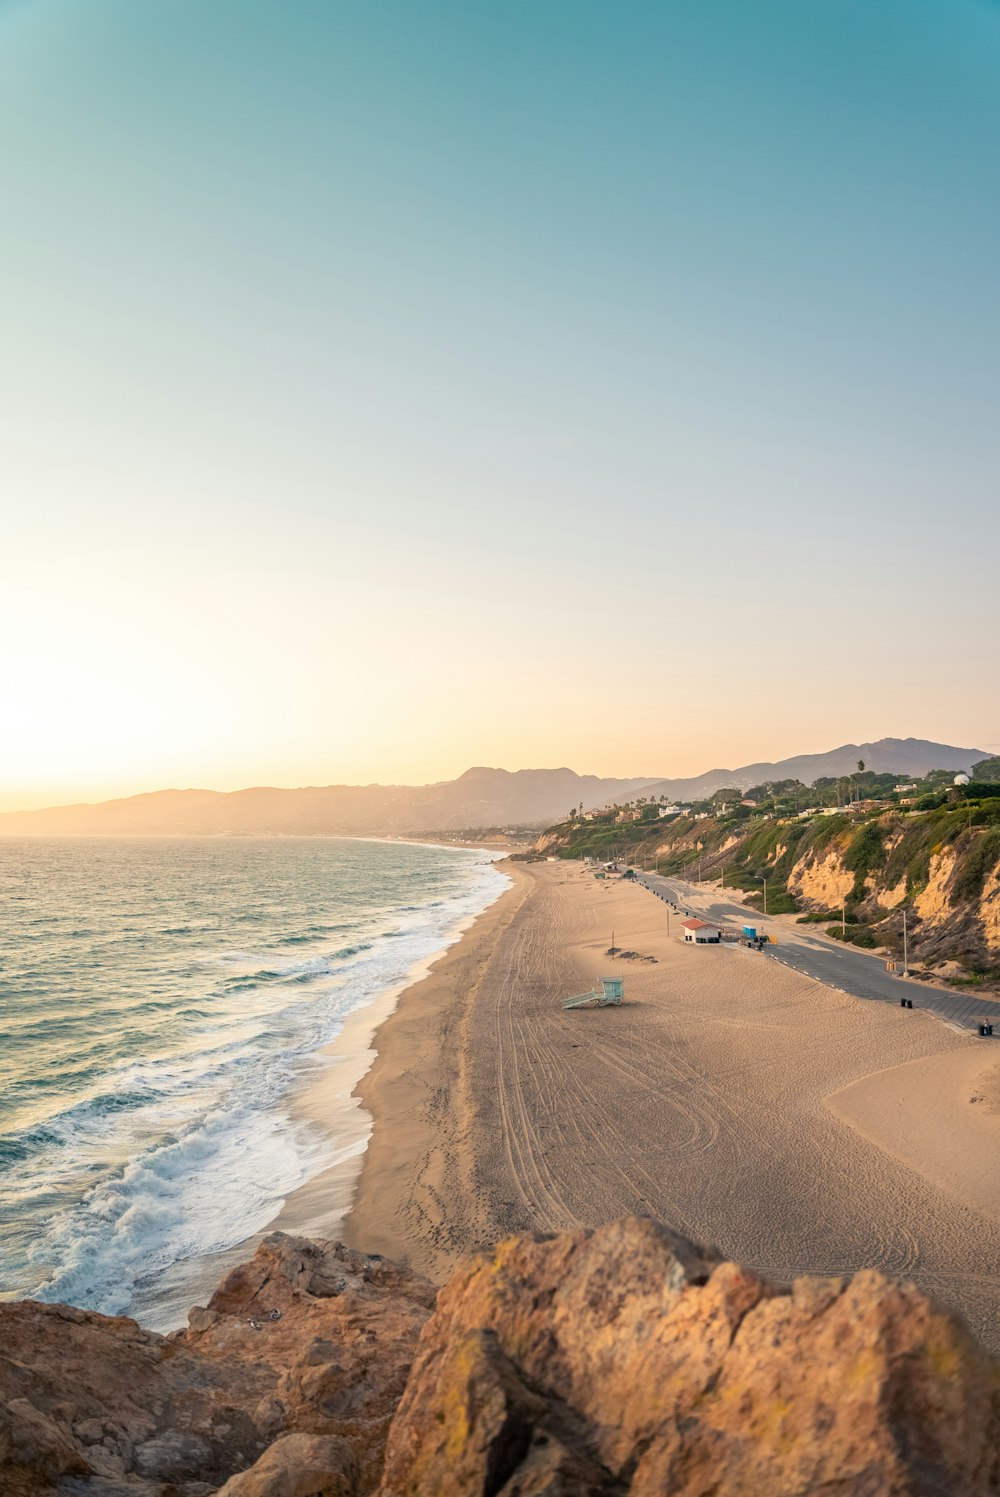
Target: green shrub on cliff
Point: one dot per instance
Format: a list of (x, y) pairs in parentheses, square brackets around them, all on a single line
[(865, 854), (854, 935), (976, 866)]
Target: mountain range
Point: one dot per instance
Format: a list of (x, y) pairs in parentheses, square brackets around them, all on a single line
[(481, 797), (903, 756)]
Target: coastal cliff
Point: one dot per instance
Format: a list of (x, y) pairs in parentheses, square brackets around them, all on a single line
[(942, 864), (617, 1360)]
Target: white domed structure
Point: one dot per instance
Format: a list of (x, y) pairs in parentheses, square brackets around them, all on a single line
[(961, 779)]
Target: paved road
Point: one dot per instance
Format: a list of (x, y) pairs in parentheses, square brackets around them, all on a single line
[(802, 947)]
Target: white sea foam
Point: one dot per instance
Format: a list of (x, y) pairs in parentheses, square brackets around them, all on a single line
[(192, 1150)]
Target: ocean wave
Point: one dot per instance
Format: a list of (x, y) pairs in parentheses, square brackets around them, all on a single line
[(314, 966), (214, 1186), (204, 1148), (311, 933)]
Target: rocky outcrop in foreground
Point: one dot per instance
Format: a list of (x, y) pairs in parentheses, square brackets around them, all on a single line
[(608, 1361), (284, 1385)]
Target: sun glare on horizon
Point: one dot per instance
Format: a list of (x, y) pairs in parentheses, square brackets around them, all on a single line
[(402, 390)]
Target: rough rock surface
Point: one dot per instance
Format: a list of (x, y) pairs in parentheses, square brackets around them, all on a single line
[(618, 1360), (624, 1360), (300, 1358)]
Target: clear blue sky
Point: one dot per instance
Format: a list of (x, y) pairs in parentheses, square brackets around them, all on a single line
[(389, 387)]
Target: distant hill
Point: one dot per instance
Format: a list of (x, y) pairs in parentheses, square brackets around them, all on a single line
[(902, 756), (479, 798)]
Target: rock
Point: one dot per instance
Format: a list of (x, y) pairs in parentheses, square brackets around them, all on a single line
[(299, 1466), (657, 1368), (173, 1456), (34, 1451), (98, 1399), (617, 1360)]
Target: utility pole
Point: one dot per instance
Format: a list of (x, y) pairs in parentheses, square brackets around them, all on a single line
[(764, 882), (843, 920), (906, 964)]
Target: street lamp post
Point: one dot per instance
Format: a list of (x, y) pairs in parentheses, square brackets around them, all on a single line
[(761, 879)]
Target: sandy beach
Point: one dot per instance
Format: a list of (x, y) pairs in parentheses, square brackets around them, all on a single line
[(731, 1098)]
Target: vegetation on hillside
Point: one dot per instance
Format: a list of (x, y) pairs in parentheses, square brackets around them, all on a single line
[(886, 837)]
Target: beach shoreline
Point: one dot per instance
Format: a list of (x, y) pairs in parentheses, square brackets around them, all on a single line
[(321, 1110), (702, 1101), (332, 1100)]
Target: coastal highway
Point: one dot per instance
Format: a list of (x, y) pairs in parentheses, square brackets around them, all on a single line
[(801, 947)]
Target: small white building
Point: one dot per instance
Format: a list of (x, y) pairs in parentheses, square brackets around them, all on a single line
[(700, 933)]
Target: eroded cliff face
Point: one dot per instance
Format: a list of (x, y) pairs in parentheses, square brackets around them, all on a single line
[(619, 1360), (822, 882), (933, 902), (989, 911)]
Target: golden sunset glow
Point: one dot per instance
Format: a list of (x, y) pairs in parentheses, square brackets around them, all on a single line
[(336, 447)]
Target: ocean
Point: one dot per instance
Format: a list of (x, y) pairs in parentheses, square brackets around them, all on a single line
[(159, 1001)]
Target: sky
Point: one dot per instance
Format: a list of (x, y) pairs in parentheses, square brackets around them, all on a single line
[(386, 389)]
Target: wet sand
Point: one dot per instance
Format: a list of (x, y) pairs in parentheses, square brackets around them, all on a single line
[(715, 1099)]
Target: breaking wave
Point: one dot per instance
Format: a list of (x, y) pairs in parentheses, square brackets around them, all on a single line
[(149, 1123)]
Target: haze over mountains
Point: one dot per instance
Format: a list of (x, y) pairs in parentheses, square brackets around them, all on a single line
[(481, 797)]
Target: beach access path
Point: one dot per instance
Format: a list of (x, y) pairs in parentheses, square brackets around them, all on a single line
[(721, 1098)]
